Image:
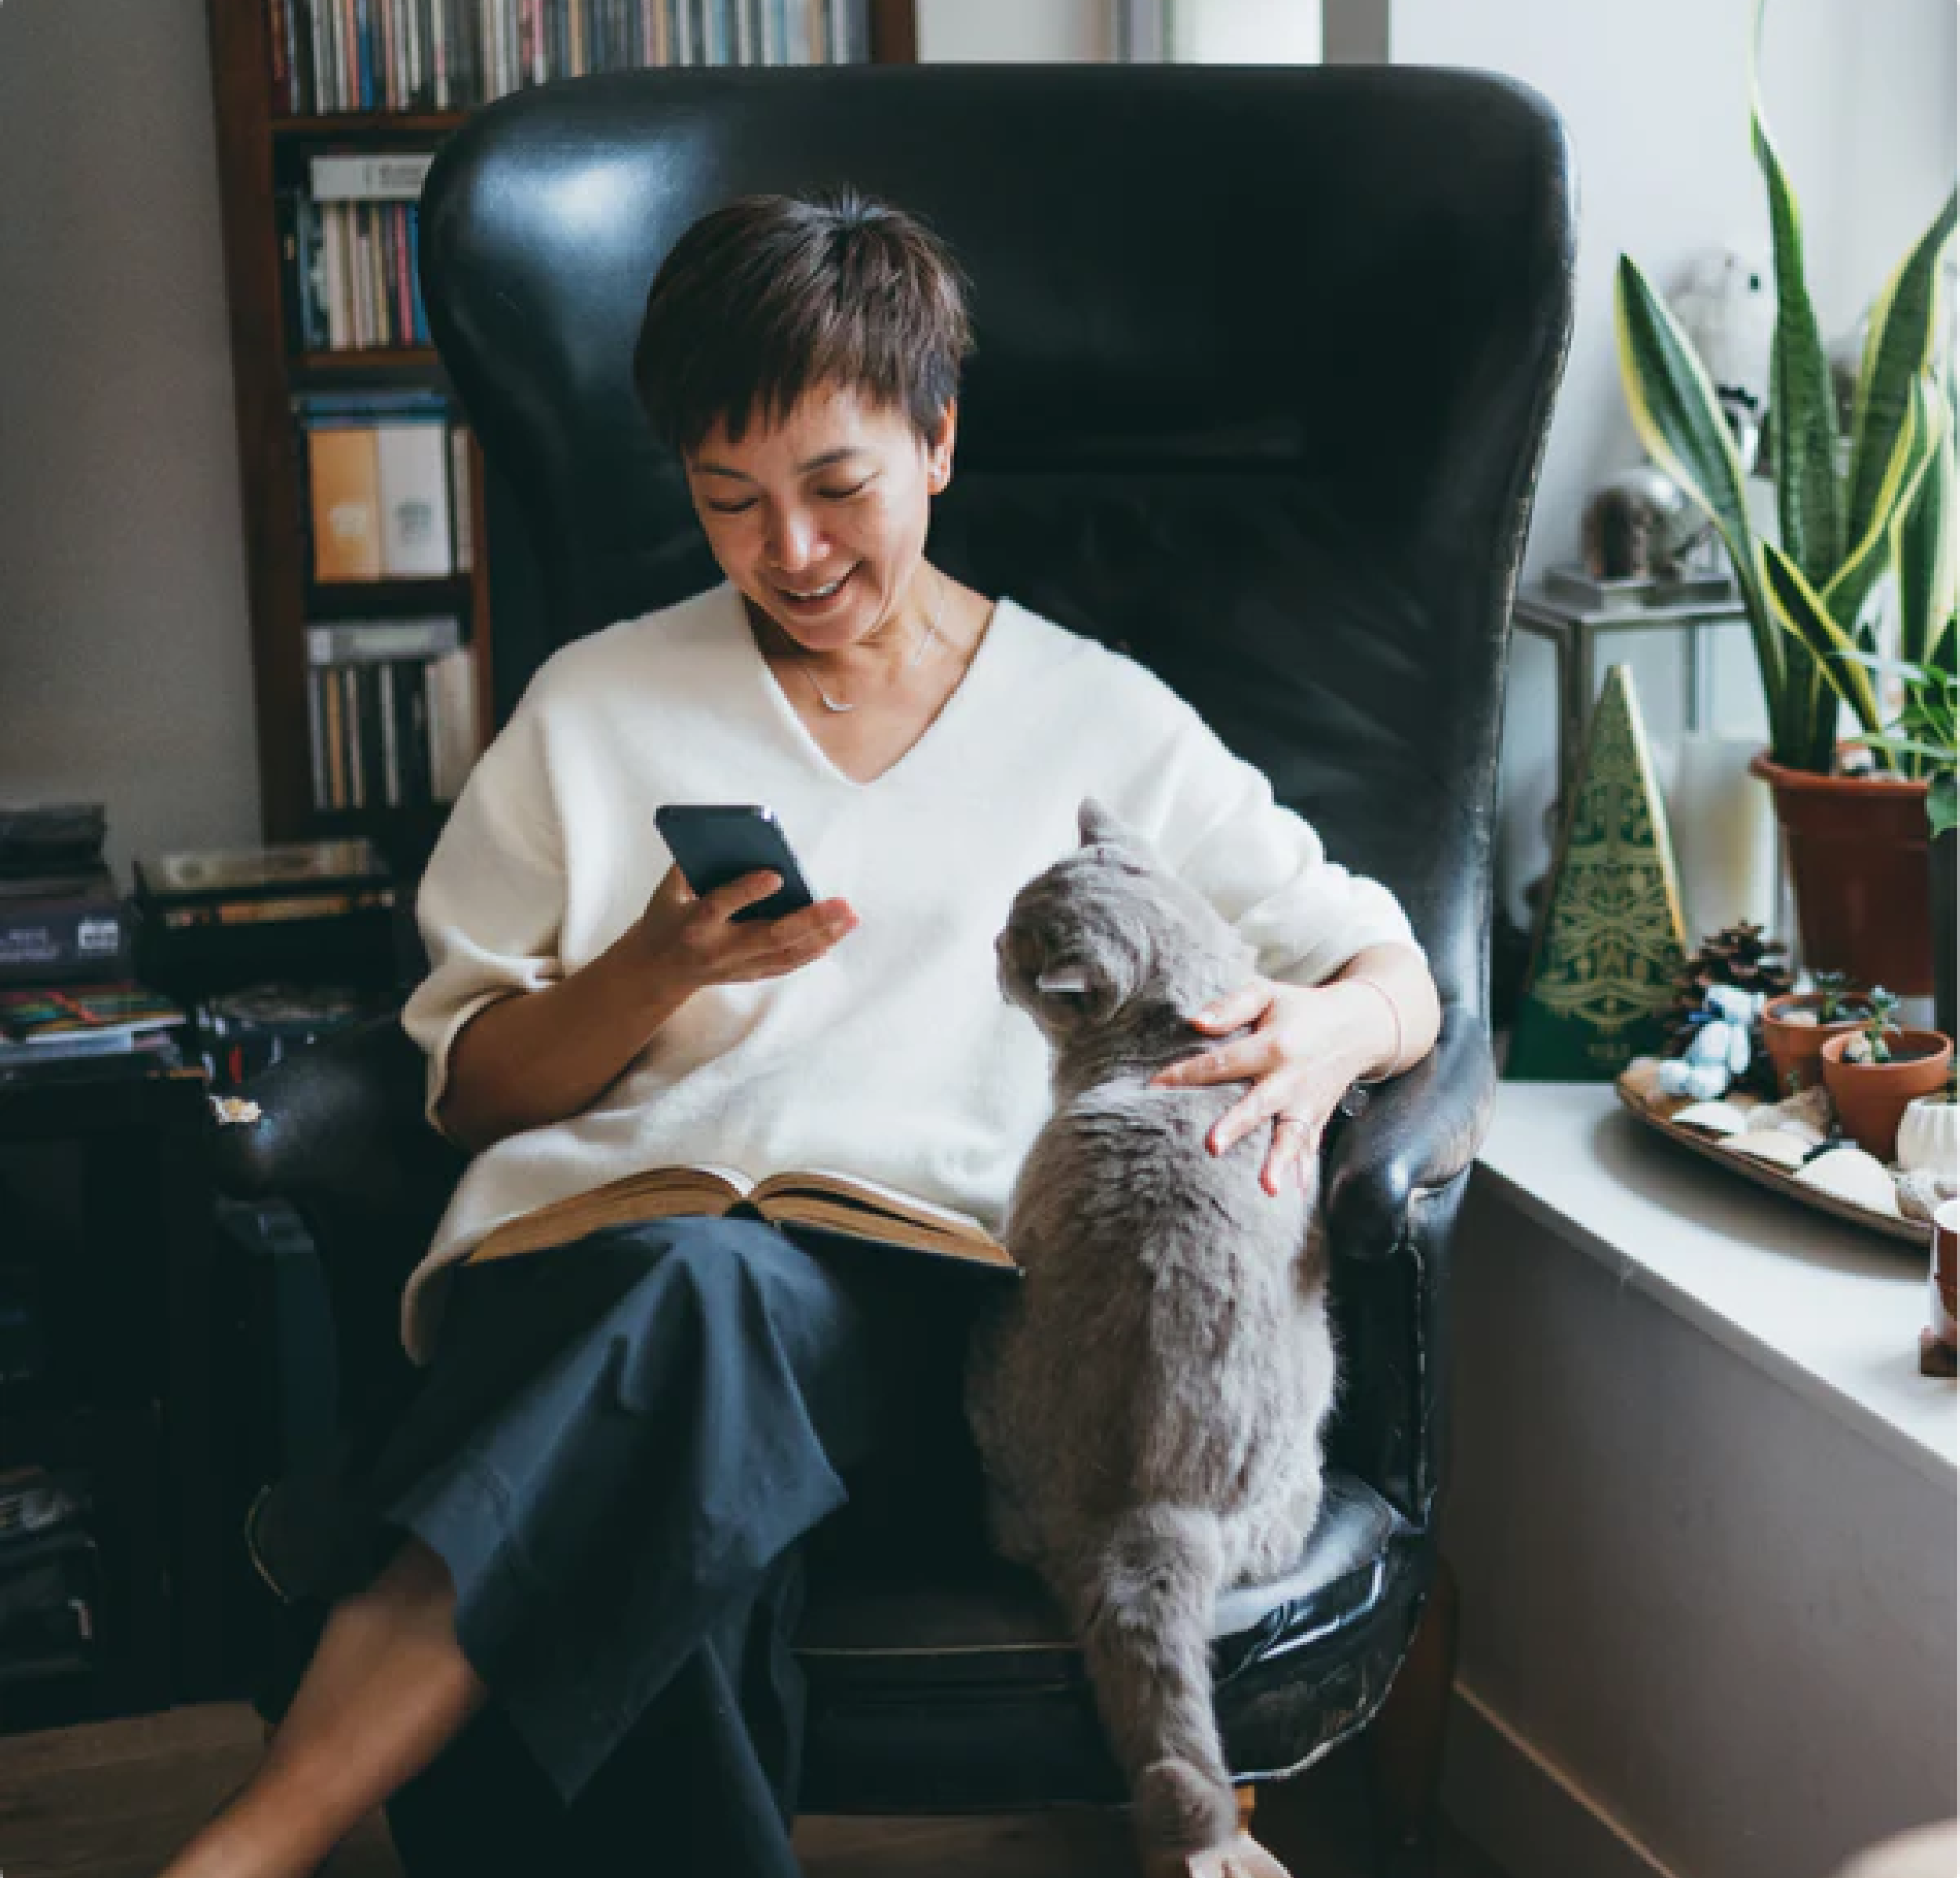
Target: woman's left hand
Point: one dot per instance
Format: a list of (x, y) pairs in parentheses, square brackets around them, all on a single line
[(1308, 1046)]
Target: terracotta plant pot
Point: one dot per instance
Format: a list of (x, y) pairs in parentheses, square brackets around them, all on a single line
[(1798, 1049), (1871, 1097), (1859, 856), (1945, 851)]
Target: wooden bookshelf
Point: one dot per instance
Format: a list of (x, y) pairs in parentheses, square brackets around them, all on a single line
[(259, 151)]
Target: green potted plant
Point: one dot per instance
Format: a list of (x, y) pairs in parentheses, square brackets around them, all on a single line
[(1920, 741), (1795, 1028), (1848, 525), (1873, 1072)]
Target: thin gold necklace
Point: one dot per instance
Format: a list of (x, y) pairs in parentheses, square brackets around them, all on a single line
[(925, 639)]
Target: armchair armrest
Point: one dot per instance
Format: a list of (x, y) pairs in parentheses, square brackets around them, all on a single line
[(341, 1136), (1417, 1133), (343, 1121)]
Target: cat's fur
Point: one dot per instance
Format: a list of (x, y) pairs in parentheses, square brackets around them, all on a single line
[(1149, 1404)]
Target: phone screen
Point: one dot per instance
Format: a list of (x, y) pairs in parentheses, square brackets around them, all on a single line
[(715, 843)]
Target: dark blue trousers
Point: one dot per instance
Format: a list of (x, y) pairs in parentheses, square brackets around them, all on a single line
[(619, 1448)]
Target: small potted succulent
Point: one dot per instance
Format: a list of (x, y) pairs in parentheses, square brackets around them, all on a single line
[(1796, 1027), (1929, 1135), (1874, 1072)]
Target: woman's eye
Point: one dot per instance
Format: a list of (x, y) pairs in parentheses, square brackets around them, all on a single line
[(742, 508)]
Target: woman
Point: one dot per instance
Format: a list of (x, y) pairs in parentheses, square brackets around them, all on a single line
[(596, 1506)]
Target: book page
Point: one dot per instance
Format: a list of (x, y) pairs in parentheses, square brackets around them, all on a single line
[(853, 1219), (876, 1195), (655, 1194)]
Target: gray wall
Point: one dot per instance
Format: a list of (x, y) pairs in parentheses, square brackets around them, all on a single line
[(125, 670)]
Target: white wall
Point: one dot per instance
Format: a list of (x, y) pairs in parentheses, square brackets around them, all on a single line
[(1036, 31), (1246, 32), (1860, 96), (124, 671)]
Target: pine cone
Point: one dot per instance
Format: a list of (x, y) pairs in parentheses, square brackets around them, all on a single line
[(1737, 955)]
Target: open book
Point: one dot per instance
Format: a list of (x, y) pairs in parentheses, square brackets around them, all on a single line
[(844, 1204)]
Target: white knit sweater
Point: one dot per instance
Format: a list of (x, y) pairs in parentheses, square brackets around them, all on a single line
[(895, 1056)]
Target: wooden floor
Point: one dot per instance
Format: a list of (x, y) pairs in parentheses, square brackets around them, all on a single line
[(113, 1799)]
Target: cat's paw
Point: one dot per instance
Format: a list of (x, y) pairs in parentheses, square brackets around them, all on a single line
[(1242, 1856)]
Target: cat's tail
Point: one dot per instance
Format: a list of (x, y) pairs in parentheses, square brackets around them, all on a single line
[(1148, 1591)]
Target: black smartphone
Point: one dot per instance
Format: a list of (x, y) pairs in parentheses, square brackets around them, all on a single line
[(714, 843)]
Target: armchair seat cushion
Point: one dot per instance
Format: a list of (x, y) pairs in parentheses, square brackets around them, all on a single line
[(953, 1682)]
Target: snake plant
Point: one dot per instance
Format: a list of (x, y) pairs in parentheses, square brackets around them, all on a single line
[(1844, 525)]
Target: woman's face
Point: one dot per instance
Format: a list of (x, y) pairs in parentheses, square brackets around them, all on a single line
[(838, 493)]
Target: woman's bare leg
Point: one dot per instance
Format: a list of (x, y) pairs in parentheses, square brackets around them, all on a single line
[(388, 1687)]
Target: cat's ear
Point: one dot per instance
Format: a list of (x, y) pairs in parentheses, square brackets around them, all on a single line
[(1100, 828), (1092, 988)]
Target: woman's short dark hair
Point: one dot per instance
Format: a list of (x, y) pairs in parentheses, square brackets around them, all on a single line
[(773, 296)]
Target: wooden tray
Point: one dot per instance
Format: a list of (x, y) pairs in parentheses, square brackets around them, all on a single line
[(1916, 1233)]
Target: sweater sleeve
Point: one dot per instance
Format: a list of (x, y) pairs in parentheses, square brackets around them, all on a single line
[(492, 901), (1264, 867)]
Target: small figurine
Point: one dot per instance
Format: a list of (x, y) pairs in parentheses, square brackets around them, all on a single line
[(1718, 1052), (1727, 305)]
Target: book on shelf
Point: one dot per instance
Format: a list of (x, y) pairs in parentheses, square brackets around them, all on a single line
[(848, 1205), (281, 867), (413, 462), (383, 641), (56, 929), (40, 839), (264, 886), (379, 468), (350, 272), (391, 713), (328, 56), (43, 1015), (369, 176), (143, 1054), (343, 472)]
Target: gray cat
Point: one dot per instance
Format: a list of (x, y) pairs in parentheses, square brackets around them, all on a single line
[(1149, 1405)]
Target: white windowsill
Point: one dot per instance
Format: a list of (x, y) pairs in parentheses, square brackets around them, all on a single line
[(1833, 1312)]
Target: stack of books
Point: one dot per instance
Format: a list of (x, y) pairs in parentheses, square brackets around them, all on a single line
[(300, 912), (67, 1003), (390, 712), (351, 245), (50, 1576), (45, 1023), (61, 920)]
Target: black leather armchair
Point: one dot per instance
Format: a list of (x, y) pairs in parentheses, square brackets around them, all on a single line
[(1265, 362)]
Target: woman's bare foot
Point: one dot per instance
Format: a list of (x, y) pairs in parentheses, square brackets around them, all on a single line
[(1240, 1857)]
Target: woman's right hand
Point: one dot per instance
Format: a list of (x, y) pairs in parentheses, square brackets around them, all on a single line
[(693, 944)]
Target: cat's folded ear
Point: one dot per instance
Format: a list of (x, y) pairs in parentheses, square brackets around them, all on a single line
[(1100, 828), (1092, 988)]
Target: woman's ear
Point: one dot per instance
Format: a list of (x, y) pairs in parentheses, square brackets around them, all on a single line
[(939, 452)]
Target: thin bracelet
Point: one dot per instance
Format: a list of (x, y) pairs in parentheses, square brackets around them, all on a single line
[(1395, 1017)]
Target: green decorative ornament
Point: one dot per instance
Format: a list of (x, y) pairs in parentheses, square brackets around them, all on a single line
[(1610, 942)]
